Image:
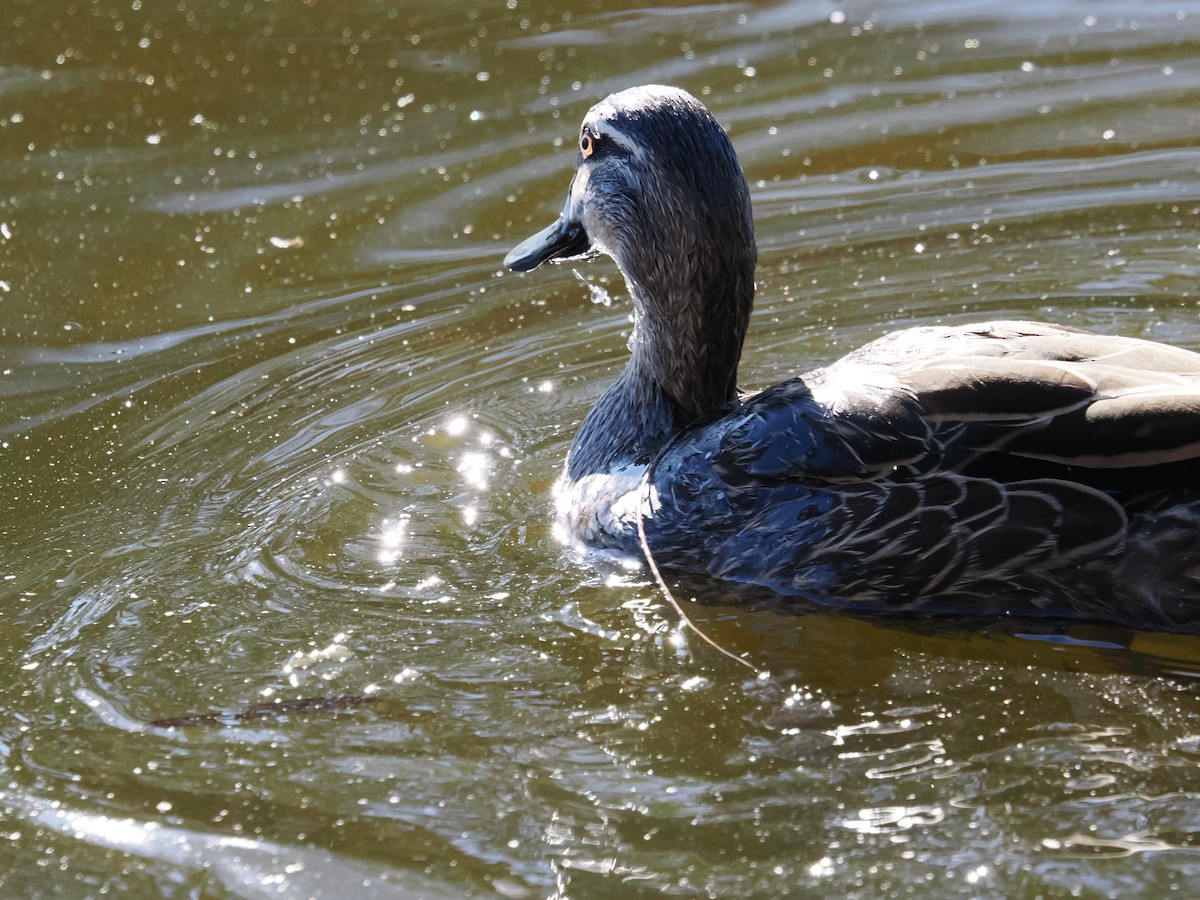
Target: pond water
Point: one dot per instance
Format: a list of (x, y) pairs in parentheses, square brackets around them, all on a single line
[(275, 425)]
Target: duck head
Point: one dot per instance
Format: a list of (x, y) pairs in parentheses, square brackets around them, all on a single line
[(657, 187)]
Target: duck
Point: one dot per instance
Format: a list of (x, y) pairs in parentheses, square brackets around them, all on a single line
[(1003, 468)]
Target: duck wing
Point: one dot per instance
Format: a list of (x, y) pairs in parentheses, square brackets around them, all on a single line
[(1049, 393), (944, 397)]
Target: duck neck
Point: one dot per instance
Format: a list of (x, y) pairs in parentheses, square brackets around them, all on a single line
[(682, 370)]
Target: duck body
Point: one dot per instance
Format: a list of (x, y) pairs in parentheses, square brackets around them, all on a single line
[(999, 468)]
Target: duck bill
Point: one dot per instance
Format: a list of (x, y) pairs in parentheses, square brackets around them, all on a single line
[(565, 239)]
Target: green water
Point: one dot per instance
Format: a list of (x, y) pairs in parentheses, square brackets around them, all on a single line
[(274, 424)]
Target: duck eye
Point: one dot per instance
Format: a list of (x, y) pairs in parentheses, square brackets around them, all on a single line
[(587, 144)]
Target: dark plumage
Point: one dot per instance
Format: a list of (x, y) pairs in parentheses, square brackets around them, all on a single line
[(1005, 467)]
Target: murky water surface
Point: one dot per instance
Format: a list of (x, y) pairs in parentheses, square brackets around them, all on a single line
[(275, 425)]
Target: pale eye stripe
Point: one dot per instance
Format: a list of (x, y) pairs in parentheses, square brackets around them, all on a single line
[(606, 131)]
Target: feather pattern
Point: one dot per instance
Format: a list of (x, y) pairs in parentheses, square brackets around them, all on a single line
[(881, 480)]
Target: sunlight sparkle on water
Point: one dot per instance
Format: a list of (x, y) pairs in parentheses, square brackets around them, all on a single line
[(822, 868), (325, 662), (797, 696), (619, 579), (391, 539), (890, 819), (977, 874), (475, 467)]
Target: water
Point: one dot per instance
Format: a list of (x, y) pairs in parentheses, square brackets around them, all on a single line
[(275, 425)]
